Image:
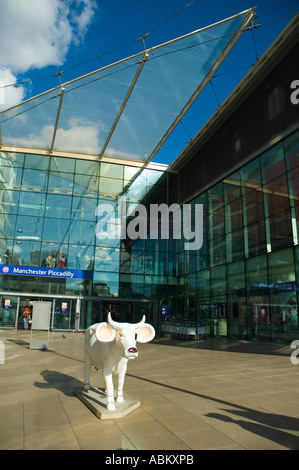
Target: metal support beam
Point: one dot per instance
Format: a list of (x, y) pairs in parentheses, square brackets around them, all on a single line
[(124, 103), (57, 117), (205, 81)]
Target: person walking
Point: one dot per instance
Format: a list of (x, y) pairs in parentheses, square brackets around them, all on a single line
[(26, 317)]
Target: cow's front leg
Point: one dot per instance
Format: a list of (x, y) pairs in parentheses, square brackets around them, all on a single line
[(121, 379), (87, 366), (107, 372)]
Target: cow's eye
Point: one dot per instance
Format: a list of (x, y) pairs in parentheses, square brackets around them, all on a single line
[(121, 334)]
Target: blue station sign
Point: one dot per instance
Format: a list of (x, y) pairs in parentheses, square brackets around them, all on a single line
[(56, 273)]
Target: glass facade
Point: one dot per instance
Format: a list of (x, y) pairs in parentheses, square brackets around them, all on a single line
[(243, 283), (49, 230)]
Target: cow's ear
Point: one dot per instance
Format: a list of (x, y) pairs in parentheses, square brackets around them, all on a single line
[(146, 333), (105, 333)]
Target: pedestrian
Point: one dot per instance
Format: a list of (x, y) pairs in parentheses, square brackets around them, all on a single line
[(26, 317)]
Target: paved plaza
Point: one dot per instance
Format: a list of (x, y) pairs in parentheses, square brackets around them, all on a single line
[(213, 394)]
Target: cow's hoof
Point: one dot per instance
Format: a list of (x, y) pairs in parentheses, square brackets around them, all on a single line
[(120, 399), (111, 407), (86, 387)]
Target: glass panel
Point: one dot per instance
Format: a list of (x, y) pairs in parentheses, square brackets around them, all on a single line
[(86, 185), (32, 203), (109, 170), (52, 255), (283, 296), (131, 285), (155, 262), (233, 215), (84, 208), (36, 130), (110, 187), (154, 287), (258, 298), (107, 259), (28, 228), (6, 247), (130, 172), (56, 230), (251, 176), (256, 238), (237, 300), (291, 147), (106, 284), (235, 246), (293, 178), (80, 257), (60, 183), (58, 206), (273, 163), (218, 281), (277, 195), (132, 262), (41, 162), (254, 206), (203, 283), (216, 220), (11, 159), (7, 226), (217, 251), (63, 165), (280, 230), (232, 187), (87, 167), (91, 312), (10, 178), (82, 232), (27, 253), (34, 180), (9, 201), (90, 107)]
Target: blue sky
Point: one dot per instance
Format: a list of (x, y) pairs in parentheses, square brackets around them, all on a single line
[(42, 37)]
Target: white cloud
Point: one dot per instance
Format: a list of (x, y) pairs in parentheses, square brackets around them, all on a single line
[(11, 95), (39, 33), (81, 136)]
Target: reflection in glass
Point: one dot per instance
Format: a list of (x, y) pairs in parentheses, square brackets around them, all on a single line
[(80, 257), (34, 180), (60, 183)]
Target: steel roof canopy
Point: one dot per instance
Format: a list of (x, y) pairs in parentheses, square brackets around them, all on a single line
[(128, 109)]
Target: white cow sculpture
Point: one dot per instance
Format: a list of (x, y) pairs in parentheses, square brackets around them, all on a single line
[(109, 346)]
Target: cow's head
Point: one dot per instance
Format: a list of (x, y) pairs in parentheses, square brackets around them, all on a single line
[(125, 335)]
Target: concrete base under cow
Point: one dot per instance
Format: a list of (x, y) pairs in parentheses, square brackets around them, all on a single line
[(96, 400)]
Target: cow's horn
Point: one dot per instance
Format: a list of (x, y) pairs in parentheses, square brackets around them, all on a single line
[(138, 325), (117, 325), (113, 323)]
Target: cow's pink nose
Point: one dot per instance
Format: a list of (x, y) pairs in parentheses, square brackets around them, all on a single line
[(132, 350)]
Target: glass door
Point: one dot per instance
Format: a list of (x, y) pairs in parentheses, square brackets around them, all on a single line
[(64, 314), (8, 311)]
